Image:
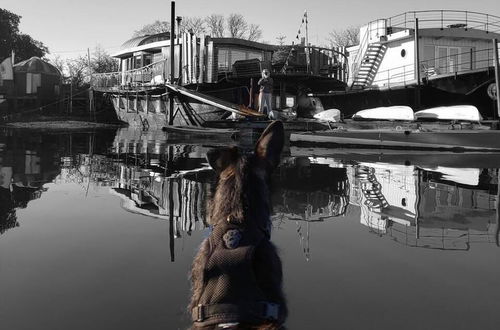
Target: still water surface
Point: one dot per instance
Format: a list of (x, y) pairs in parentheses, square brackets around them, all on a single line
[(98, 231)]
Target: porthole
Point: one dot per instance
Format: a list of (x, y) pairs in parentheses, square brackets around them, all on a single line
[(403, 52)]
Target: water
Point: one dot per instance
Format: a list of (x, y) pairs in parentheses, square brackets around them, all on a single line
[(98, 231)]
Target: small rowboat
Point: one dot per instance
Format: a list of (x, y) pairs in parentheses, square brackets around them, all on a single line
[(399, 112), (455, 112)]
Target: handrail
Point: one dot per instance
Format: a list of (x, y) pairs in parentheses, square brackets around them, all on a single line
[(363, 45), (445, 18), (429, 68)]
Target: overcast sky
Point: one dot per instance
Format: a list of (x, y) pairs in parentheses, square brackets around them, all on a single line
[(68, 27)]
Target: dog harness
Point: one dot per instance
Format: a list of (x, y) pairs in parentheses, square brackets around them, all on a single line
[(230, 290)]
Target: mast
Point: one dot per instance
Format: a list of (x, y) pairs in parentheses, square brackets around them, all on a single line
[(308, 60)]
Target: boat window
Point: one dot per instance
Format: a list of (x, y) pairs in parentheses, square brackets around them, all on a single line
[(148, 59), (223, 59), (441, 59), (403, 52), (138, 61), (237, 55), (453, 59), (254, 55)]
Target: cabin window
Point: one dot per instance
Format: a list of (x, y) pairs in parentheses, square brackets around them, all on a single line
[(137, 61), (453, 59), (252, 55), (223, 59), (441, 59), (148, 59), (403, 52), (238, 55)]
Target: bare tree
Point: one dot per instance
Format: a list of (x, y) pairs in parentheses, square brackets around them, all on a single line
[(281, 39), (195, 25), (237, 26), (59, 63), (215, 24), (153, 28), (102, 62), (254, 32), (78, 71), (344, 37)]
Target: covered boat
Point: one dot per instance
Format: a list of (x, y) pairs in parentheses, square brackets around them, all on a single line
[(398, 112), (456, 112)]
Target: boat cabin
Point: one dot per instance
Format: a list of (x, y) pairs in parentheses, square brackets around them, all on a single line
[(199, 60), (448, 42)]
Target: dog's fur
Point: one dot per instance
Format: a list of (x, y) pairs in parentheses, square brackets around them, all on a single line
[(242, 191)]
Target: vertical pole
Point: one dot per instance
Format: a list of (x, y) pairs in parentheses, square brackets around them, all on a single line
[(417, 203), (497, 229), (308, 59), (172, 67), (71, 96), (417, 65), (497, 74), (172, 45), (179, 43), (471, 59), (91, 96)]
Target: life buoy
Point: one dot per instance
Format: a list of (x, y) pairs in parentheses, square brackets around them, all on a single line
[(492, 91)]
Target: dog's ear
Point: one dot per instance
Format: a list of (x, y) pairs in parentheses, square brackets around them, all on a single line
[(220, 158), (270, 144)]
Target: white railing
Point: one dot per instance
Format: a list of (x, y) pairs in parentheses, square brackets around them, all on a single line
[(445, 65), (149, 75)]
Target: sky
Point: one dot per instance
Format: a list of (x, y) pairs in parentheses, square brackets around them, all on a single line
[(69, 27)]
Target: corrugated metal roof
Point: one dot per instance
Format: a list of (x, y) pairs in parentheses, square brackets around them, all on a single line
[(36, 65), (143, 40)]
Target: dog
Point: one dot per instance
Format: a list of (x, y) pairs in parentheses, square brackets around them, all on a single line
[(237, 276)]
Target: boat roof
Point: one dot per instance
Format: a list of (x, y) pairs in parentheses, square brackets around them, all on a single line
[(159, 40)]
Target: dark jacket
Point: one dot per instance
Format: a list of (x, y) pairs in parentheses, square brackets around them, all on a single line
[(266, 85)]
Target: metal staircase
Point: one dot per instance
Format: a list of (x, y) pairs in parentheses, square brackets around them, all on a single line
[(371, 189), (369, 65)]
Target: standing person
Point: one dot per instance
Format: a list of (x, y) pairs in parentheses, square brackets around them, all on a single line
[(266, 90)]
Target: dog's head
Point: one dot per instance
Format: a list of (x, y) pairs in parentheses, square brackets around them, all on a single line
[(242, 190)]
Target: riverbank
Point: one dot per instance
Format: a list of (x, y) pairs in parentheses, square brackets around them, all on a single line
[(63, 125), (52, 122)]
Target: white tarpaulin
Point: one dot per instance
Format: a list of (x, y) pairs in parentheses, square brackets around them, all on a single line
[(6, 72)]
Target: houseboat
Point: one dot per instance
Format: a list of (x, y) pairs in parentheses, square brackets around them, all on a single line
[(454, 64), (214, 77)]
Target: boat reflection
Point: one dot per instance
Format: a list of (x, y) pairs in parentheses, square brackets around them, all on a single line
[(439, 208), (28, 161), (430, 204)]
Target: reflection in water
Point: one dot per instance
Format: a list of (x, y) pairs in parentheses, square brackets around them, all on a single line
[(423, 208), (439, 208), (28, 161)]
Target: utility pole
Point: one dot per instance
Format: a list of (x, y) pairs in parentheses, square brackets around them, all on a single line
[(91, 94), (417, 65), (172, 63)]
